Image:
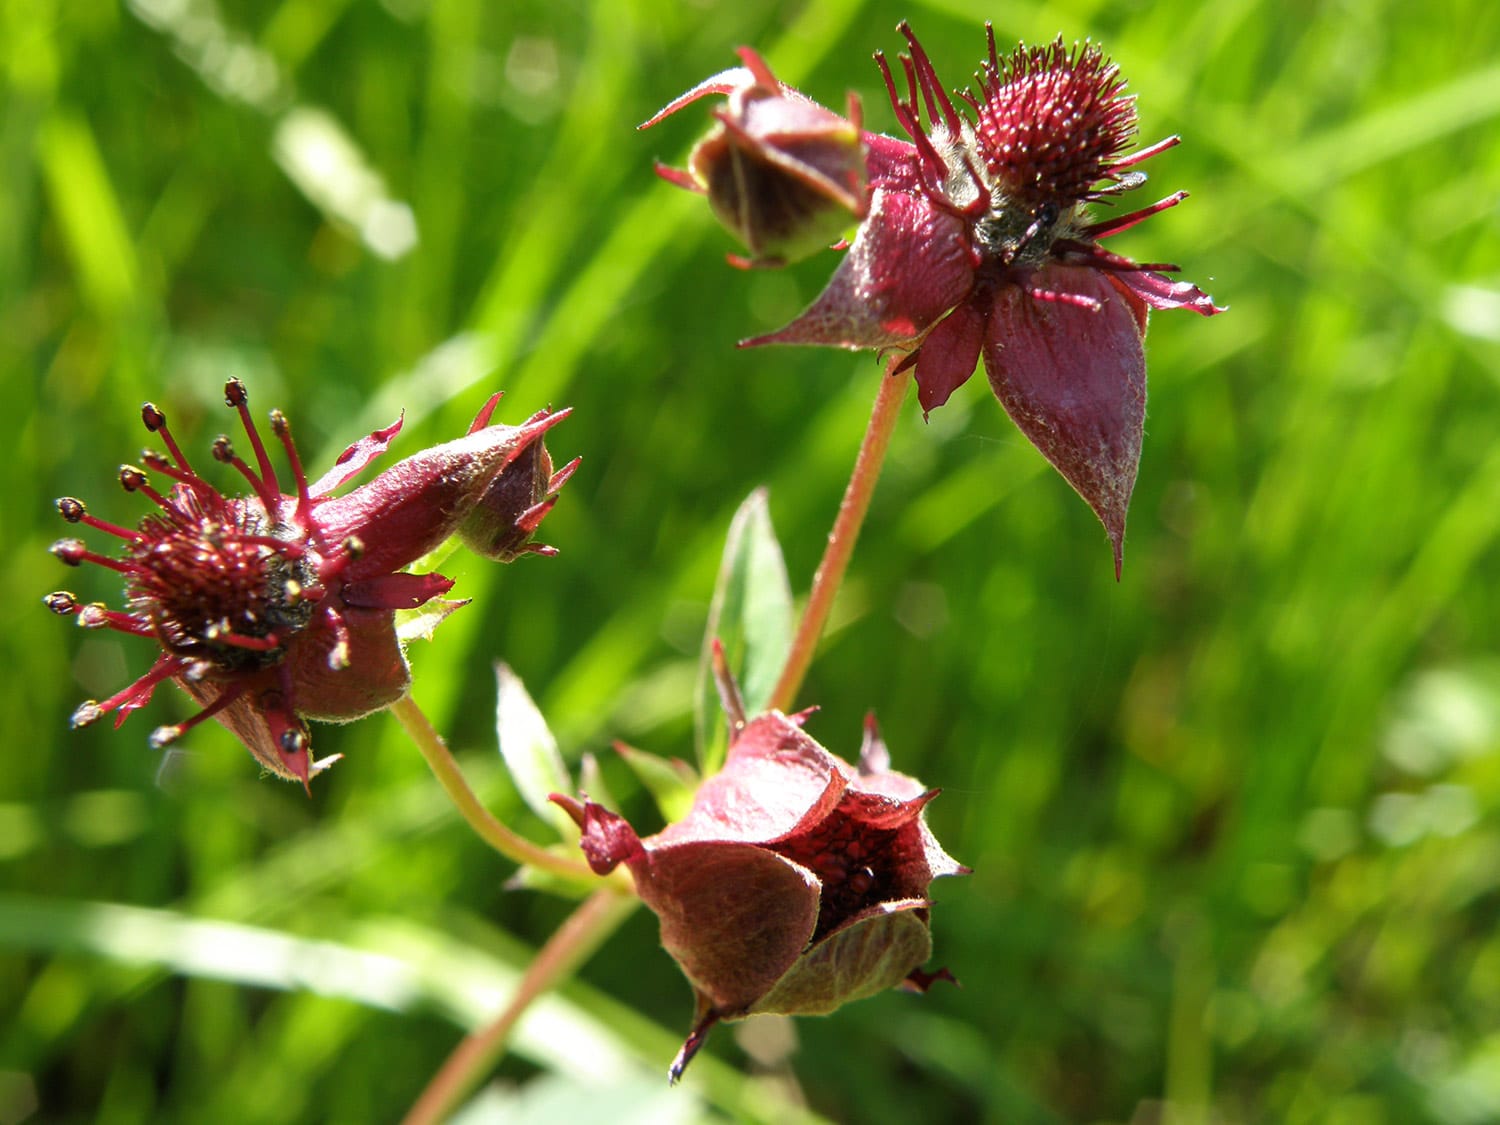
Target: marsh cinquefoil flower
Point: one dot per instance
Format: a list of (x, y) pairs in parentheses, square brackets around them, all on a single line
[(272, 609), (981, 242), (795, 884)]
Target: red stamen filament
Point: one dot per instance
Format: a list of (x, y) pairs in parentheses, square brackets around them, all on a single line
[(125, 533), (236, 396), (224, 453), (164, 736), (164, 668), (283, 430), (156, 423)]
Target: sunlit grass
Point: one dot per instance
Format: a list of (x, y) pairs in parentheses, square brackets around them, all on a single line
[(1233, 820)]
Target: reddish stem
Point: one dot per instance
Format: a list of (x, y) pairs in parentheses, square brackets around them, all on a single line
[(472, 1059), (845, 532)]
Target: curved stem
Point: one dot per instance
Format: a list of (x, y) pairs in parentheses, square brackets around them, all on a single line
[(472, 1059), (845, 532), (481, 820)]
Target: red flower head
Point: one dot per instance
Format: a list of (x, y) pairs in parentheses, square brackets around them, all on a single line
[(273, 609), (980, 242), (795, 883), (783, 174)]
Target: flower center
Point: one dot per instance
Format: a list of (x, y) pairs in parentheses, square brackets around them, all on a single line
[(214, 587), (1051, 122), (851, 860)]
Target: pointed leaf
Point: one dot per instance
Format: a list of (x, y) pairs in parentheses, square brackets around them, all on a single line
[(529, 750), (419, 624), (751, 616), (670, 781)]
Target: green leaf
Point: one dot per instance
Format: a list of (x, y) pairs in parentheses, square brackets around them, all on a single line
[(419, 624), (751, 616), (670, 781), (530, 751)]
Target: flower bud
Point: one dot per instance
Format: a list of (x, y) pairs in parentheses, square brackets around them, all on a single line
[(783, 174), (501, 525)]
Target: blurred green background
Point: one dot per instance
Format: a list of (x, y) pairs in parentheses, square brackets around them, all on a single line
[(1233, 821)]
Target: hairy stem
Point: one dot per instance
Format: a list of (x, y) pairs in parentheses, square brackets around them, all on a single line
[(481, 820), (845, 532), (572, 943)]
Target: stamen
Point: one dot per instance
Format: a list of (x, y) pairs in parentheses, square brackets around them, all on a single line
[(221, 634), (73, 510), (159, 464), (61, 602), (156, 423), (92, 711), (223, 452), (282, 547), (236, 396), (283, 431), (163, 737), (96, 615), (75, 552), (132, 479)]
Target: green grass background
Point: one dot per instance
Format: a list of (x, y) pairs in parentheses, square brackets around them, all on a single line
[(1233, 821)]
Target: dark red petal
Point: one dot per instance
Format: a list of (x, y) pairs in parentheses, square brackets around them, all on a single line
[(909, 264), (373, 674), (775, 782), (892, 163), (877, 811), (419, 502), (356, 458), (608, 840), (395, 591), (1073, 379), (949, 355), (1162, 292), (734, 916)]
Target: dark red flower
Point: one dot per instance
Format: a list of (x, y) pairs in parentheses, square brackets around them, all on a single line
[(276, 608), (980, 242), (783, 174), (795, 884)]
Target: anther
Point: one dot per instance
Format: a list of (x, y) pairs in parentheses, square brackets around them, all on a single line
[(71, 509), (162, 737), (87, 712), (70, 551), (132, 479), (235, 394), (95, 615), (61, 602), (152, 417)]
